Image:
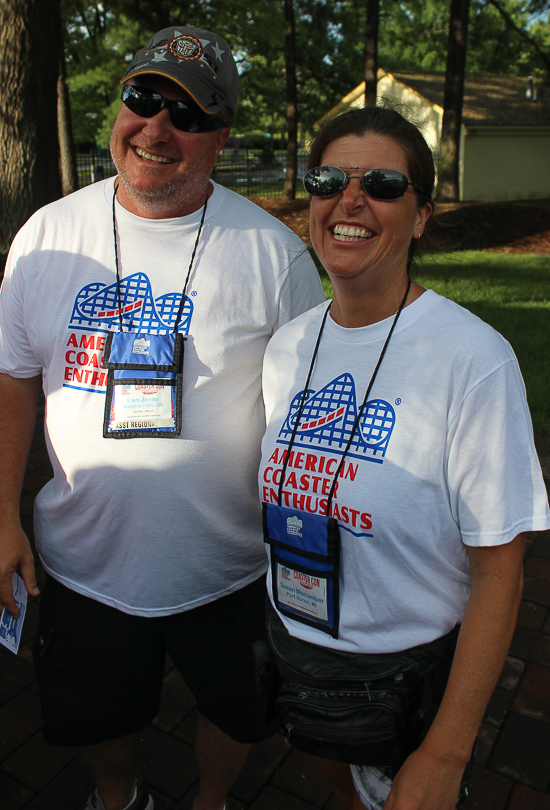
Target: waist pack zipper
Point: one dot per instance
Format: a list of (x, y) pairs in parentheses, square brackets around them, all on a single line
[(336, 734), (388, 705), (388, 680), (292, 691)]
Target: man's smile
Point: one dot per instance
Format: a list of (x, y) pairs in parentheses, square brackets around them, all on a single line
[(156, 158)]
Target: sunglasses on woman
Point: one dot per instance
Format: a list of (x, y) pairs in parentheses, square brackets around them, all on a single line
[(380, 184), (184, 115)]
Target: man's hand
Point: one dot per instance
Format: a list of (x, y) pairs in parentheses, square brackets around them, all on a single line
[(425, 782), (15, 556), (18, 399)]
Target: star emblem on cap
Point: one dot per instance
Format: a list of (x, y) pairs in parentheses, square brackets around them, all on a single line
[(217, 50)]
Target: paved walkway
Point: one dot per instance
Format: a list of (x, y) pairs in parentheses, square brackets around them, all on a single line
[(513, 760)]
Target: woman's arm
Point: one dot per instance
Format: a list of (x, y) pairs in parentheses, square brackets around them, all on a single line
[(430, 777)]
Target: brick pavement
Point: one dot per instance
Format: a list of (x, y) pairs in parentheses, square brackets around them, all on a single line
[(513, 759)]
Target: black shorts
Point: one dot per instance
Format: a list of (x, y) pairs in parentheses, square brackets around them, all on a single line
[(99, 670)]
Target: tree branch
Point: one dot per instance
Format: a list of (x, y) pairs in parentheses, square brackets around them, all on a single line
[(509, 21)]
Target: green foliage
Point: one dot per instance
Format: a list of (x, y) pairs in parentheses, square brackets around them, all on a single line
[(98, 47), (101, 37), (103, 133), (254, 140), (414, 36), (493, 47)]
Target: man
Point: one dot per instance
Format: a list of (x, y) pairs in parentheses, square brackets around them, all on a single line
[(149, 545)]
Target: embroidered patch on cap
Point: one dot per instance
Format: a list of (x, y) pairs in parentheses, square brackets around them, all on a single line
[(186, 47)]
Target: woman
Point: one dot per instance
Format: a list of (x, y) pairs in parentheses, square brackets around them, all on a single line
[(432, 482)]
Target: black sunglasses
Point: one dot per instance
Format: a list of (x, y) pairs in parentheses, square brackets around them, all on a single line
[(184, 115), (380, 184)]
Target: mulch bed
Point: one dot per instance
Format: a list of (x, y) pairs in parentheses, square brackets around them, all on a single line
[(501, 227), (294, 213)]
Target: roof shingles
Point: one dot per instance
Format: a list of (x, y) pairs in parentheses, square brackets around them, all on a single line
[(490, 100)]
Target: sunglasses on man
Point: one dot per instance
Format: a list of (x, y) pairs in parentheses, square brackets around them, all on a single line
[(184, 115), (380, 184)]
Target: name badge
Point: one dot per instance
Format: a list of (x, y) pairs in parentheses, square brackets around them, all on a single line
[(302, 592), (142, 405)]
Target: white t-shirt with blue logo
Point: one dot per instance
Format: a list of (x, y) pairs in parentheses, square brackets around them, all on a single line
[(443, 458), (151, 526)]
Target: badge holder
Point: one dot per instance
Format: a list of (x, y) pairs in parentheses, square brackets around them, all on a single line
[(305, 565), (144, 385)]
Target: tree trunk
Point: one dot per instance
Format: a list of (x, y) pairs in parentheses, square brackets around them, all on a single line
[(69, 171), (289, 192), (371, 52), (447, 186), (30, 32)]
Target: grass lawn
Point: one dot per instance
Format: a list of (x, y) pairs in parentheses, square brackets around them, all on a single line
[(512, 293)]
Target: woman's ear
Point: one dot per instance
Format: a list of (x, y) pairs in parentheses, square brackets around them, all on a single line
[(422, 216)]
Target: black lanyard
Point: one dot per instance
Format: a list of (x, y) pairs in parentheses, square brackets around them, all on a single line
[(180, 308), (360, 412)]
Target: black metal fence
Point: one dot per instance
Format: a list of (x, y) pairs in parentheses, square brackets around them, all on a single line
[(250, 172), (92, 167), (256, 172)]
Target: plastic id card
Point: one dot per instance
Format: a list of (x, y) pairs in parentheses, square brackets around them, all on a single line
[(144, 385), (305, 565), (10, 627)]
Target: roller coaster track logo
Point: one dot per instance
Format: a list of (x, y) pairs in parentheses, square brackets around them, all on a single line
[(328, 417), (97, 307)]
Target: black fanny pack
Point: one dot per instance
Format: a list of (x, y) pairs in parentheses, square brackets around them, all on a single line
[(352, 707)]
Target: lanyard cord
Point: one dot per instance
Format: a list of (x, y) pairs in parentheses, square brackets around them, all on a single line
[(361, 409), (180, 309), (302, 401), (182, 300), (116, 262)]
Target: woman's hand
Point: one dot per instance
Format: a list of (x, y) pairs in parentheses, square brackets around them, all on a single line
[(426, 781), (430, 777)]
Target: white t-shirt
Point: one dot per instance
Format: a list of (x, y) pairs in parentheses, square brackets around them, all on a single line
[(151, 526), (443, 457)]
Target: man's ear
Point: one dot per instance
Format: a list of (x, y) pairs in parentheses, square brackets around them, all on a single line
[(223, 135)]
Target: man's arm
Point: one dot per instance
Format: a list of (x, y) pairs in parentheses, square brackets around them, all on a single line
[(18, 400), (430, 778)]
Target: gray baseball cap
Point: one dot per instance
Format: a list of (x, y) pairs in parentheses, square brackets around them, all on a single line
[(199, 61)]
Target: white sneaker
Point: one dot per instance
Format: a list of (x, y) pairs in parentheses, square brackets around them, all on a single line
[(143, 800)]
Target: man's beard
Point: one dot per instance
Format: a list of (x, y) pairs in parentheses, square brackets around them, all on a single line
[(175, 194)]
